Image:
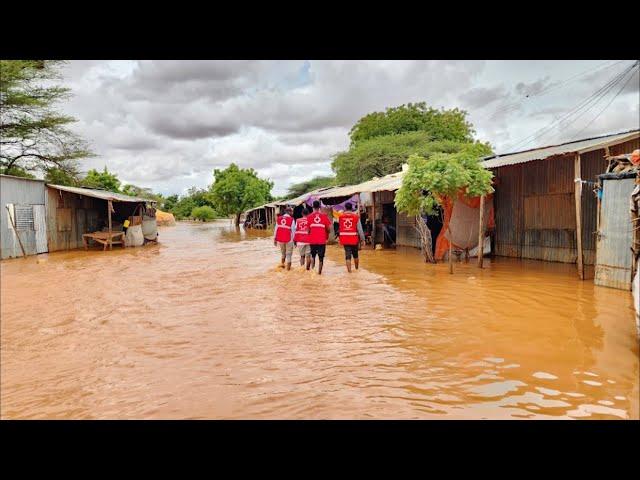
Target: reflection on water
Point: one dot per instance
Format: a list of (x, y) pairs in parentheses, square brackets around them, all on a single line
[(204, 325)]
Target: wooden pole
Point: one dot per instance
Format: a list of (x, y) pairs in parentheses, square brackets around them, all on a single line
[(578, 198), (481, 233), (15, 230), (109, 212)]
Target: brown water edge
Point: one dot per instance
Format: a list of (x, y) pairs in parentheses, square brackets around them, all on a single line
[(204, 325)]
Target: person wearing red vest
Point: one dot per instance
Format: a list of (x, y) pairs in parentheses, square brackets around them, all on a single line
[(319, 228), (301, 237), (283, 235), (351, 235)]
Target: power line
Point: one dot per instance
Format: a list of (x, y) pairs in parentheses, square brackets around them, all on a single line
[(550, 88), (595, 96), (607, 105)]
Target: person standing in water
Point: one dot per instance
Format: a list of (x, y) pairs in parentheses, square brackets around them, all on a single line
[(351, 235), (301, 238), (319, 228), (283, 235)]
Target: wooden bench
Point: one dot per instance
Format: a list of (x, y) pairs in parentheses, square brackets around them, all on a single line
[(103, 238)]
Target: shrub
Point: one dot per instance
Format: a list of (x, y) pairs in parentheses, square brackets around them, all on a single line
[(203, 213)]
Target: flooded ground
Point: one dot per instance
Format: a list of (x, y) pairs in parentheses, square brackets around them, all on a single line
[(204, 325)]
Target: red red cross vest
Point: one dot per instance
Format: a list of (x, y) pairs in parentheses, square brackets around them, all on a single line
[(283, 225), (302, 230), (317, 228), (348, 223)]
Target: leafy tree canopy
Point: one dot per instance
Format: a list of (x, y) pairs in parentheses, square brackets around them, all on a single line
[(143, 192), (183, 206), (413, 117), (238, 189), (443, 175), (104, 180), (16, 172), (383, 155), (170, 202), (60, 176), (33, 135), (298, 189)]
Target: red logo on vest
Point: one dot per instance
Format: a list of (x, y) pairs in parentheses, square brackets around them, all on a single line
[(283, 228), (302, 230), (348, 223)]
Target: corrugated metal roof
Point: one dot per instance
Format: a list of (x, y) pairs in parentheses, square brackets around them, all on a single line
[(302, 198), (101, 194), (579, 146), (388, 182)]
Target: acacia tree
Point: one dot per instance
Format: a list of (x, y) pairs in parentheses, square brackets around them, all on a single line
[(298, 189), (236, 190), (428, 182), (33, 135)]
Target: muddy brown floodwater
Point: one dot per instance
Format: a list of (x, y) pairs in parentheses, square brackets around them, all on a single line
[(204, 325)]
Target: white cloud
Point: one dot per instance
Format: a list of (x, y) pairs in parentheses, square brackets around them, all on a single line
[(168, 124)]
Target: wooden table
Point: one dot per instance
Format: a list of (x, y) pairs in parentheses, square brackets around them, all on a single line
[(103, 238)]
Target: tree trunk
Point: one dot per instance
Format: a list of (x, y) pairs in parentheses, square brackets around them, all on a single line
[(237, 221), (425, 239)]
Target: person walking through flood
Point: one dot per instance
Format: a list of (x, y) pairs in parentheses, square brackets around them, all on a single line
[(351, 235), (283, 235), (319, 228), (301, 238)]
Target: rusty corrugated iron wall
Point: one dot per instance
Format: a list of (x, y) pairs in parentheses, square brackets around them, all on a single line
[(69, 216), (626, 147), (535, 210), (509, 211)]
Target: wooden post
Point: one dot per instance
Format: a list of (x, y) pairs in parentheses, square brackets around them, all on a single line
[(450, 252), (15, 230), (109, 211), (578, 198), (373, 220), (481, 233)]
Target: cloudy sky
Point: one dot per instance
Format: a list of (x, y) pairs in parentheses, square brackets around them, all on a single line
[(168, 124)]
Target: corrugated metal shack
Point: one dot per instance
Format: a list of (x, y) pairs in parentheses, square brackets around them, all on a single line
[(614, 258), (261, 217), (540, 211), (73, 211), (38, 217), (23, 204)]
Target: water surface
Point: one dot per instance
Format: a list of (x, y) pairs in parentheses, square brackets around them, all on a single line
[(204, 325)]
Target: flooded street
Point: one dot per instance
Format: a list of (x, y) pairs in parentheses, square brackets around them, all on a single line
[(204, 325)]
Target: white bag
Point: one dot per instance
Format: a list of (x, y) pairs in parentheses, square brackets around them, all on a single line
[(134, 237), (149, 228)]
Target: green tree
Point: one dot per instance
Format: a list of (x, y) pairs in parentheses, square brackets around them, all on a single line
[(143, 192), (170, 202), (195, 197), (104, 180), (298, 189), (236, 190), (429, 180), (439, 124), (16, 172), (203, 213), (59, 176), (33, 135), (379, 156)]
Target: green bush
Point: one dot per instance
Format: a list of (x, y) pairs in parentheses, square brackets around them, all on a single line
[(203, 213)]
